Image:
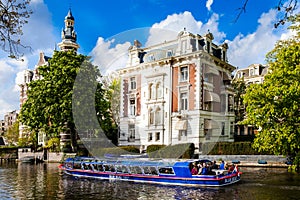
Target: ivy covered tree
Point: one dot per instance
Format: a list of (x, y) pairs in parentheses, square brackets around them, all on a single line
[(49, 104), (274, 105)]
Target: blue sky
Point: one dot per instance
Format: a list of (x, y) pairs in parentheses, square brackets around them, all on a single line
[(101, 25)]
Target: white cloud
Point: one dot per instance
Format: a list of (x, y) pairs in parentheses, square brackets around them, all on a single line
[(252, 48), (38, 34), (9, 95), (208, 4), (109, 58), (169, 28)]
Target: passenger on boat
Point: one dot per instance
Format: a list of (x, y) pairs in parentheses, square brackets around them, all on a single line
[(200, 167), (222, 165), (204, 169), (214, 166), (194, 170), (231, 168)]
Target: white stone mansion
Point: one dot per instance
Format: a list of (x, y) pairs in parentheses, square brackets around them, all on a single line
[(177, 92)]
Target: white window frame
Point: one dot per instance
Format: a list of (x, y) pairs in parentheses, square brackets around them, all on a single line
[(131, 132), (150, 137), (158, 116), (184, 73), (157, 136), (132, 83), (182, 135), (132, 107), (184, 101)]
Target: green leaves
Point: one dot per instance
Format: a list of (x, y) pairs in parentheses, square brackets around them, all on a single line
[(50, 100), (274, 105)]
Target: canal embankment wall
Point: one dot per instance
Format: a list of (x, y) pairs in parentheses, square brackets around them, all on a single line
[(243, 160), (250, 160)]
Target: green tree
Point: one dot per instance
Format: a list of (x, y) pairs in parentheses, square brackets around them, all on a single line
[(12, 134), (274, 105), (239, 87), (49, 104), (13, 15)]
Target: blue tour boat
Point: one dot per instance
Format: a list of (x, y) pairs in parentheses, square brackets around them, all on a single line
[(169, 172)]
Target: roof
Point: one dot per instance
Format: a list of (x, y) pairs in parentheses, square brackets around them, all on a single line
[(69, 15)]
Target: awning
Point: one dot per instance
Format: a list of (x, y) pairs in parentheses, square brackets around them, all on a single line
[(210, 124), (211, 70), (210, 96), (181, 125)]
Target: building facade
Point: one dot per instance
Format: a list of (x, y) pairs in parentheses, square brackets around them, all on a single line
[(177, 92), (2, 127), (253, 74)]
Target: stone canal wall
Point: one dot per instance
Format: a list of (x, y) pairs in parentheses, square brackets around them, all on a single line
[(250, 160)]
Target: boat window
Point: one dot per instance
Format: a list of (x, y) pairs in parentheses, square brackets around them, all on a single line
[(87, 166), (77, 166), (106, 168), (109, 168), (98, 167), (124, 169), (135, 170), (150, 171), (68, 165), (166, 170)]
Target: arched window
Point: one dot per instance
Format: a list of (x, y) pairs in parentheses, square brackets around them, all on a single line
[(151, 116), (150, 91), (158, 90), (153, 95), (158, 116)]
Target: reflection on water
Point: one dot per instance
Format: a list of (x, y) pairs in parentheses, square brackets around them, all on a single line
[(46, 181)]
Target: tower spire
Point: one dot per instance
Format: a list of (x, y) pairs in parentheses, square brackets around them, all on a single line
[(68, 34)]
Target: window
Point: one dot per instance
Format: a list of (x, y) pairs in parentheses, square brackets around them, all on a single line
[(132, 83), (159, 90), (131, 133), (182, 135), (132, 107), (169, 53), (150, 137), (251, 72), (184, 73), (153, 91), (157, 136), (208, 106), (151, 57), (223, 128), (207, 133), (151, 116), (184, 101), (158, 116)]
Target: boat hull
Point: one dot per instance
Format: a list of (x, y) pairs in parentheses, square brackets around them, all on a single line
[(195, 181)]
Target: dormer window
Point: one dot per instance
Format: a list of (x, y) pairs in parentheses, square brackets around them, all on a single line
[(151, 57)]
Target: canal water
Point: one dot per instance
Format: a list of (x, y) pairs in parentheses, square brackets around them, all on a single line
[(46, 181)]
